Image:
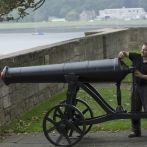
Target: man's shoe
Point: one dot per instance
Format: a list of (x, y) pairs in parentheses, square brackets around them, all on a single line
[(134, 134)]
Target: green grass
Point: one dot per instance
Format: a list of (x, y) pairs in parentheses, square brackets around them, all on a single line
[(32, 121), (15, 25)]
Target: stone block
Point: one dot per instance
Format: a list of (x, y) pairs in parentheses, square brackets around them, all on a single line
[(6, 102), (4, 90)]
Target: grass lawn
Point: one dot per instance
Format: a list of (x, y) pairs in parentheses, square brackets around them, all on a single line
[(18, 25), (32, 121)]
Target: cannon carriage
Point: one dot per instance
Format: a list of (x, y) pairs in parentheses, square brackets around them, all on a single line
[(65, 124)]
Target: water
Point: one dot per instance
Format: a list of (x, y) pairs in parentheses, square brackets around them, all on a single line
[(12, 42)]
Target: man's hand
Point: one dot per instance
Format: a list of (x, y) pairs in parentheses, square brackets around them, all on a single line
[(139, 74), (123, 54)]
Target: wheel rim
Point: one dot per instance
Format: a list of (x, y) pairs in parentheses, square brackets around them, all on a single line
[(61, 127), (86, 111)]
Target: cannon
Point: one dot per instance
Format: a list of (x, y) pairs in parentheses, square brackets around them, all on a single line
[(65, 124), (110, 70)]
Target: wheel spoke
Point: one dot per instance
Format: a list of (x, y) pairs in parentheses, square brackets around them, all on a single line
[(78, 130), (60, 113), (51, 129), (84, 111), (67, 138), (50, 120), (59, 138), (70, 133), (57, 115)]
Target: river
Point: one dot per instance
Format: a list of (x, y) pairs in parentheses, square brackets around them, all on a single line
[(12, 42)]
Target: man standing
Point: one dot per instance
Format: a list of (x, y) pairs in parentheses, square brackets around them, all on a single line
[(139, 95)]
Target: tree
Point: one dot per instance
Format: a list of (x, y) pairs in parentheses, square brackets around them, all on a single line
[(72, 16), (10, 7)]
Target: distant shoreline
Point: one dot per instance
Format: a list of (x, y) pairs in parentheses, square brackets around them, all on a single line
[(66, 27), (61, 29)]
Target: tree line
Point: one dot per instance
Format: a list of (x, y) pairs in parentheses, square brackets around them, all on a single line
[(67, 8)]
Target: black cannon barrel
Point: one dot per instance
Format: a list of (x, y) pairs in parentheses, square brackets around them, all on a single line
[(106, 70)]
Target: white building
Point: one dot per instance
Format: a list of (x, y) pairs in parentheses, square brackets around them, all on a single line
[(54, 19), (122, 13), (87, 15)]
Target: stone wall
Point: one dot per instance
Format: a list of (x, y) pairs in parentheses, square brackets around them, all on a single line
[(18, 98)]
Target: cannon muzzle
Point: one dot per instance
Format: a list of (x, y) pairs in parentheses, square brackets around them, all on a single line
[(106, 70)]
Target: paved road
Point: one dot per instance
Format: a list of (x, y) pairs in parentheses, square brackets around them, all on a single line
[(99, 139)]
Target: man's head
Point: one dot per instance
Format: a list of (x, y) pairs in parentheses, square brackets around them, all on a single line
[(144, 50)]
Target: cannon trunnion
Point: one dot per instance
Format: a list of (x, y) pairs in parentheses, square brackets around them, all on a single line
[(107, 70)]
